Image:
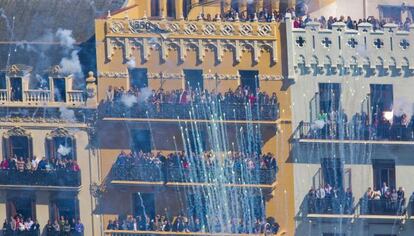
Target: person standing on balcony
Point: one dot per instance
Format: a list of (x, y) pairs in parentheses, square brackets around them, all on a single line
[(20, 164), (384, 188), (79, 228)]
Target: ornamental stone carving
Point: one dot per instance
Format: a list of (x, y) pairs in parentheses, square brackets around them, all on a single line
[(114, 75), (168, 76)]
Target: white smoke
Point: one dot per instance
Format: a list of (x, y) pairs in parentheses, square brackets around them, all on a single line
[(66, 114), (71, 64), (403, 106), (65, 38), (129, 100), (131, 63), (318, 124), (63, 150), (144, 95)]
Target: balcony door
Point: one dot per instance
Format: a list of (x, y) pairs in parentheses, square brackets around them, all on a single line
[(249, 79), (144, 204), (329, 97), (59, 88), (384, 172), (381, 100), (66, 205), (138, 78), (21, 204), (16, 89), (141, 140), (20, 146), (194, 79), (333, 172)]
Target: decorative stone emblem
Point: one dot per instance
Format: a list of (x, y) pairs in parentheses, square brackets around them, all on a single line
[(246, 29), (264, 30), (190, 29), (117, 27), (227, 29), (209, 29)]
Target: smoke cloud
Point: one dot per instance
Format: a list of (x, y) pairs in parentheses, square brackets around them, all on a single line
[(131, 63), (66, 114), (71, 64), (63, 150), (65, 38), (129, 100)]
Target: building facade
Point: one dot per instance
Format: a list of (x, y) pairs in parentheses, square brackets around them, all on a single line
[(352, 112), (47, 164), (165, 47)]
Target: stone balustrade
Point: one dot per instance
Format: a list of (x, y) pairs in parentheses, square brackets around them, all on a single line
[(342, 51)]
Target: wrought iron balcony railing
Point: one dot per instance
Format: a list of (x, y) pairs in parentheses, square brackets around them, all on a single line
[(155, 173), (41, 178), (191, 111)]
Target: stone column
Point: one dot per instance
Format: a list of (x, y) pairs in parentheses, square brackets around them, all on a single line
[(243, 8), (42, 207), (226, 5), (148, 8), (275, 5), (259, 5), (163, 8), (3, 206), (179, 14)]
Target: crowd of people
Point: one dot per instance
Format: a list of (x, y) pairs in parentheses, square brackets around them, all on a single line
[(377, 24), (178, 166), (330, 200), (169, 103), (385, 200), (249, 15), (335, 125), (34, 164), (185, 224), (21, 226)]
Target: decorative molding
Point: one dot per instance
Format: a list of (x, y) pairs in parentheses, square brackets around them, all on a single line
[(114, 75), (270, 77), (168, 76), (59, 132), (341, 51), (19, 70), (16, 131), (210, 76)]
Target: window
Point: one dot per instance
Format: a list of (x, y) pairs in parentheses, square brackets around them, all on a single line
[(235, 5), (171, 8), (16, 90), (332, 171), (329, 97), (194, 79), (249, 79), (2, 81), (186, 7), (138, 78), (144, 204), (19, 146), (61, 147), (66, 206), (384, 172), (59, 89), (155, 8), (141, 140), (17, 142), (381, 101), (23, 204), (333, 234), (195, 140), (390, 13)]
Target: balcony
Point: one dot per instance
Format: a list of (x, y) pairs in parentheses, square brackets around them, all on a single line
[(351, 131), (202, 111), (39, 178), (41, 98), (152, 173)]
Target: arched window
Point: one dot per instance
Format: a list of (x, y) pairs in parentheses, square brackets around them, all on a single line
[(171, 8), (17, 142), (155, 8), (60, 145), (186, 7)]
